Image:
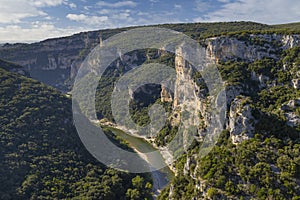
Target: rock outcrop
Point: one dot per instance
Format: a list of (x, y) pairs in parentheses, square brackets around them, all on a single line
[(260, 78), (296, 83), (290, 41), (165, 95), (14, 68), (186, 101), (241, 120), (289, 109), (249, 48), (232, 92)]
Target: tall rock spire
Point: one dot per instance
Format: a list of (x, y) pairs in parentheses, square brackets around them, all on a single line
[(100, 40)]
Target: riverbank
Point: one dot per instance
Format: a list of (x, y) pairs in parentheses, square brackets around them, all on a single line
[(141, 146), (164, 151)]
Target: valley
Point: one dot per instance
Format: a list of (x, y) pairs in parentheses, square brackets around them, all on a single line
[(257, 155), (160, 177)]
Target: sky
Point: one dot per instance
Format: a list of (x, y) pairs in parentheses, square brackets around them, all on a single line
[(36, 20)]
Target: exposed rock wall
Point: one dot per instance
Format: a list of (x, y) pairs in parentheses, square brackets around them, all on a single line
[(241, 120), (186, 98), (165, 95), (289, 110), (52, 61), (290, 41), (64, 55), (250, 48), (296, 83)]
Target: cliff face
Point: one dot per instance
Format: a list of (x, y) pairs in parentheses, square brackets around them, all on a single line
[(165, 95), (289, 110), (52, 61), (186, 98), (242, 117), (55, 61), (241, 120), (249, 48)]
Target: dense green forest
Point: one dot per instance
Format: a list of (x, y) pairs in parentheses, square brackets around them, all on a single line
[(259, 168), (41, 155)]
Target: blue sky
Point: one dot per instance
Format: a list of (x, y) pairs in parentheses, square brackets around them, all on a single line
[(35, 20)]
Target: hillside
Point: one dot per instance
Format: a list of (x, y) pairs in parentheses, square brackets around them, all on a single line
[(256, 157), (42, 156)]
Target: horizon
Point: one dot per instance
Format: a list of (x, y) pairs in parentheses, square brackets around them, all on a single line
[(133, 26), (33, 21)]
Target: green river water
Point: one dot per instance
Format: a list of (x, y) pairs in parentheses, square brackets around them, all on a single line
[(162, 176)]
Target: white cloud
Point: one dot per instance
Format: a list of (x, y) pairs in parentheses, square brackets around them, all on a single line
[(48, 18), (36, 32), (90, 20), (142, 13), (105, 11), (75, 17), (117, 4), (177, 6), (116, 14), (15, 11), (265, 11), (46, 3), (73, 5), (86, 7), (121, 13)]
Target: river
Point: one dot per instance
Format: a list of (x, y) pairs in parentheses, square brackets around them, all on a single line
[(160, 177)]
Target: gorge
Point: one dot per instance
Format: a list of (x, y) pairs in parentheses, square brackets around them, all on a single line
[(257, 154)]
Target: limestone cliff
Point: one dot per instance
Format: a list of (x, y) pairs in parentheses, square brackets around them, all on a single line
[(56, 61), (190, 104), (241, 120), (289, 110), (52, 61), (296, 83), (165, 95), (249, 47)]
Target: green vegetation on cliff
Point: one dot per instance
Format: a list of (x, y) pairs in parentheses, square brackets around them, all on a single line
[(266, 166)]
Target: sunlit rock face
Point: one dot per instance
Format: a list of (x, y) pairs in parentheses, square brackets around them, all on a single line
[(165, 95), (187, 103), (250, 48), (241, 120), (289, 110), (296, 83), (290, 41)]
